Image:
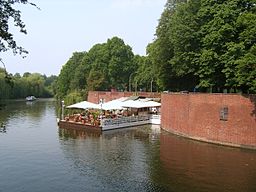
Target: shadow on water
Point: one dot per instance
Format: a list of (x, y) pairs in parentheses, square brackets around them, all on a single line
[(194, 166)]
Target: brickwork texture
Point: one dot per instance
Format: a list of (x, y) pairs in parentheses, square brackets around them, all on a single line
[(201, 117)]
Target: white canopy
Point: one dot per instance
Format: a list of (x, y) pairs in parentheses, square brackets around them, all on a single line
[(84, 105), (133, 104), (151, 104), (140, 104), (117, 104), (114, 104)]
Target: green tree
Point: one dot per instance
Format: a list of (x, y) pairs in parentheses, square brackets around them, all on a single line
[(245, 65), (120, 64), (186, 45), (206, 44), (36, 84), (95, 80), (246, 71), (145, 75), (228, 30), (104, 66), (175, 47), (161, 50), (9, 12), (97, 66), (4, 86), (67, 74)]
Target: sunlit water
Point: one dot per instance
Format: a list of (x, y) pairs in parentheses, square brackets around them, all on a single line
[(37, 156)]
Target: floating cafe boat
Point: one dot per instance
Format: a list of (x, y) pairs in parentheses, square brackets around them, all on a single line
[(115, 114)]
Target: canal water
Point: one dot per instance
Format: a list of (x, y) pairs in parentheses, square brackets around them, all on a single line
[(37, 156)]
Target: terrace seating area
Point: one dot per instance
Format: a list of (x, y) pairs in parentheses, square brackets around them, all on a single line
[(116, 113)]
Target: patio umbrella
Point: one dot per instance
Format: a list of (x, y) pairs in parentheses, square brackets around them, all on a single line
[(84, 105), (112, 105), (140, 104)]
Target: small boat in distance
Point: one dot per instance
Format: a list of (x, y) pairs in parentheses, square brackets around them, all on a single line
[(30, 98)]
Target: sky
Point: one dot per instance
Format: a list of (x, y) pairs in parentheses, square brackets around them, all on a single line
[(62, 27)]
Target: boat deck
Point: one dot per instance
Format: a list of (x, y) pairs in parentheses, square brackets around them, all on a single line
[(109, 124), (77, 125)]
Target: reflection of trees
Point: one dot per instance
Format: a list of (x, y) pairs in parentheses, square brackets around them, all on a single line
[(24, 111), (115, 159), (3, 118), (132, 133), (77, 133)]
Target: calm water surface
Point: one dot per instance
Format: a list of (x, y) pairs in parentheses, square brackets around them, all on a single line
[(37, 156)]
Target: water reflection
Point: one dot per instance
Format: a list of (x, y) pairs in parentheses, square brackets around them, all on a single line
[(151, 160), (194, 166), (77, 133), (112, 160), (141, 133), (37, 156), (20, 112)]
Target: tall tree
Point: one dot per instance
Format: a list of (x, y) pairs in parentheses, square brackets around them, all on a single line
[(67, 74), (206, 44), (161, 50), (175, 45), (97, 65), (120, 64), (228, 32), (145, 75), (105, 66), (186, 44)]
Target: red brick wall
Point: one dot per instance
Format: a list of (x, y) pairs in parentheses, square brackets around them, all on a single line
[(95, 96), (198, 116)]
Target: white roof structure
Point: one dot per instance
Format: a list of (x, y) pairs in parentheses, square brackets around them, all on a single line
[(132, 104), (84, 105), (114, 104), (140, 104), (151, 104)]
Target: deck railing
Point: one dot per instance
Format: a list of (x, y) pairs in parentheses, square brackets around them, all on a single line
[(155, 116), (122, 120)]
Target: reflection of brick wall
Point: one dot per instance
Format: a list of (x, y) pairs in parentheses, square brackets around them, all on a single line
[(189, 165), (95, 96), (220, 118)]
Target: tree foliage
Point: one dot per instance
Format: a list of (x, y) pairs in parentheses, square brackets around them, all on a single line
[(105, 66), (9, 11), (29, 84), (206, 44), (200, 45), (66, 79)]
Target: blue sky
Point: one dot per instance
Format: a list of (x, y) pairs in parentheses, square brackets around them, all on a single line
[(62, 27)]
